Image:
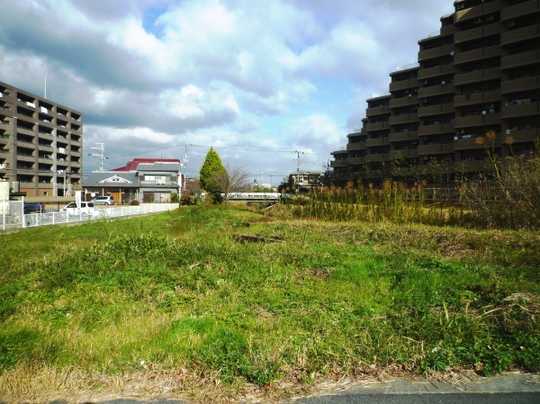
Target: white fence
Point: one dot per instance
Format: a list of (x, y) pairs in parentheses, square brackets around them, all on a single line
[(12, 215)]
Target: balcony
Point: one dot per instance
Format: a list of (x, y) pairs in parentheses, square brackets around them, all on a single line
[(438, 109), (45, 160), (470, 166), (520, 35), (46, 124), (520, 9), (436, 71), (31, 106), (25, 171), (75, 117), (356, 146), (374, 175), (377, 142), (403, 154), (477, 11), (404, 171), (520, 85), (339, 163), (526, 135), (470, 121), (472, 144), (377, 158), (461, 100), (438, 89), (46, 136), (403, 102), (473, 34), (356, 161), (45, 148), (433, 53), (25, 131), (403, 119), (477, 76), (376, 111), (448, 29), (24, 113), (26, 145), (408, 136), (476, 55), (401, 85), (520, 59), (521, 110), (436, 129), (25, 157), (435, 149), (376, 126)]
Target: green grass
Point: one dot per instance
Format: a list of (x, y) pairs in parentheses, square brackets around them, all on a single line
[(176, 291)]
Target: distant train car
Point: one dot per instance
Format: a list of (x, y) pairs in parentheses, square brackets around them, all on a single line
[(254, 196)]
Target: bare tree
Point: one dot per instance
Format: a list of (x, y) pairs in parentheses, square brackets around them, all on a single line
[(232, 180)]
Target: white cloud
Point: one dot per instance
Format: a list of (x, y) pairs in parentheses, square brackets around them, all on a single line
[(215, 71)]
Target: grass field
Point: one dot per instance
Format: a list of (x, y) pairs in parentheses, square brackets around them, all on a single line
[(179, 303)]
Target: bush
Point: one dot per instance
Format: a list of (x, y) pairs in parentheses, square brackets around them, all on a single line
[(508, 198), (134, 203)]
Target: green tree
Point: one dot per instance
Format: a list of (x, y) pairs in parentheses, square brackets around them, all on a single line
[(212, 174)]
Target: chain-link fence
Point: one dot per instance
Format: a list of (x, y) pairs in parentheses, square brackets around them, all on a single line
[(12, 214)]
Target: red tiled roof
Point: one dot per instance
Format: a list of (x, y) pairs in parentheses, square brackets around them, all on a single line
[(134, 164)]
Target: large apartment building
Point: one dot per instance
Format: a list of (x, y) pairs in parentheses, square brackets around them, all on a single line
[(475, 91), (40, 144)]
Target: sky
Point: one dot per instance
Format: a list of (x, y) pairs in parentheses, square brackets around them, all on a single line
[(255, 79)]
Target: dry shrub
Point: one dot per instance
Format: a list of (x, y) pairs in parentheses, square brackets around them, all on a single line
[(508, 198)]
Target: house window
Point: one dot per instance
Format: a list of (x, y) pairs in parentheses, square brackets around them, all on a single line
[(157, 179)]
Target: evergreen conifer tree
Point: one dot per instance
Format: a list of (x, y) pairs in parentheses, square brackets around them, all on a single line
[(212, 174)]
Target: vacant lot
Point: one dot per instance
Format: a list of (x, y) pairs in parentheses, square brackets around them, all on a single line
[(188, 303)]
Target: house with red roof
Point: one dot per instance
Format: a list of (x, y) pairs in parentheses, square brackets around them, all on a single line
[(145, 180)]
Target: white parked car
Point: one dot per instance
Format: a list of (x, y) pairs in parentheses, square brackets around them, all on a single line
[(103, 200), (87, 209)]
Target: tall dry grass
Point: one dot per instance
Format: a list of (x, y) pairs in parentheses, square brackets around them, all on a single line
[(393, 202), (508, 197)]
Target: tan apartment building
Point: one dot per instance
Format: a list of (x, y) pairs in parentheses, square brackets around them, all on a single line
[(40, 144), (475, 91)]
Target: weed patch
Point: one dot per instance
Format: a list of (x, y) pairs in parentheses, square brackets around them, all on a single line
[(177, 292)]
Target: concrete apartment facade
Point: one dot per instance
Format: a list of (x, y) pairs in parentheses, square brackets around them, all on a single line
[(475, 90), (40, 144), (304, 181), (146, 180)]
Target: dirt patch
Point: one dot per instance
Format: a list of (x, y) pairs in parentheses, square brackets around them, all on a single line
[(245, 238)]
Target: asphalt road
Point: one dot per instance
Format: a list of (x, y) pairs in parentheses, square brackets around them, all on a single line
[(503, 389), (466, 398)]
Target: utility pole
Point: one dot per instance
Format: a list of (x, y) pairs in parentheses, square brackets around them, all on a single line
[(298, 154), (100, 154)]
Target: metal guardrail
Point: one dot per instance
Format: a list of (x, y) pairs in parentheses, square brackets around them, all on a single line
[(12, 215)]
